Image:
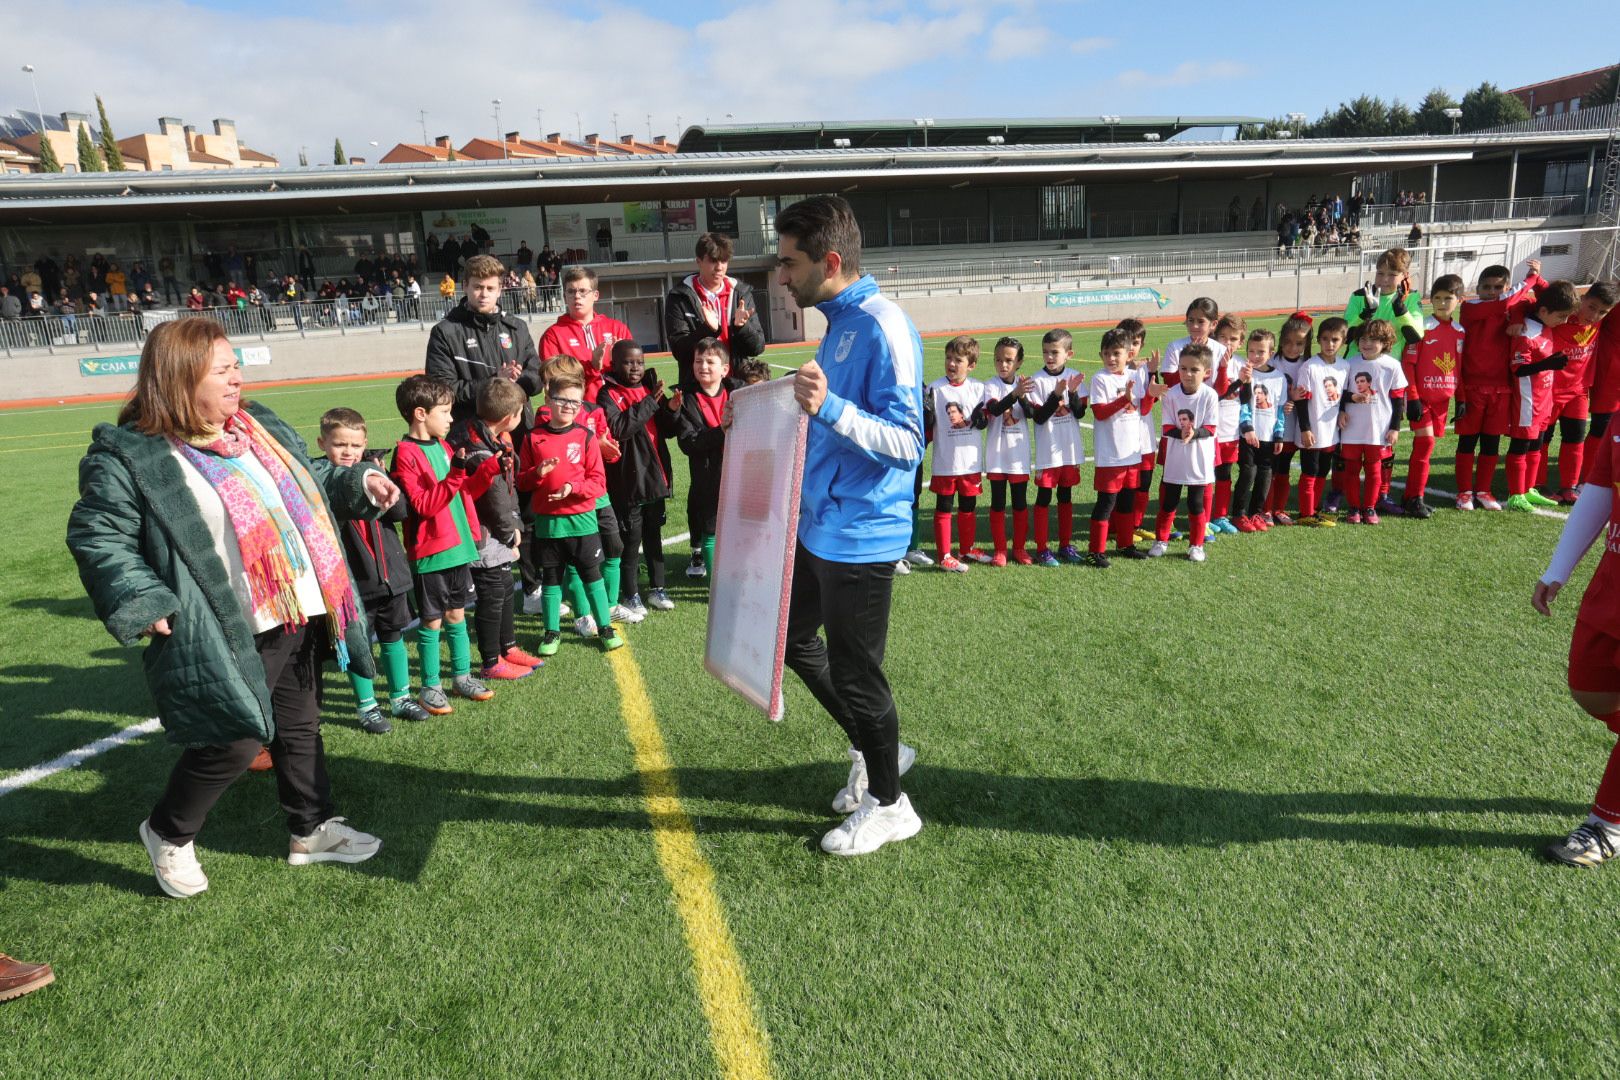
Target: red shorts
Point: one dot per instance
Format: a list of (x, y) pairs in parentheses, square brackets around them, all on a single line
[(1434, 415), (1486, 412), (1062, 476), (1115, 478), (1571, 405), (1021, 478), (956, 485), (1594, 660), (1226, 453), (1528, 418)]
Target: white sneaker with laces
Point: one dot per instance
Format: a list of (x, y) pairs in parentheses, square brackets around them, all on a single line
[(620, 613), (659, 600), (1486, 501), (585, 626), (1158, 549), (696, 570), (849, 796), (534, 603), (332, 841), (918, 557), (902, 567), (1196, 553), (178, 872), (871, 826), (1465, 501)]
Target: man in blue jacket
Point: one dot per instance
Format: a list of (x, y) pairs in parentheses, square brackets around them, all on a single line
[(863, 392)]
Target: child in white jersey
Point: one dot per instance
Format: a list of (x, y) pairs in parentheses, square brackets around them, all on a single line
[(1261, 426), (1117, 443), (1316, 395), (1144, 370), (1202, 316), (953, 417), (1058, 401), (1293, 350), (1228, 384), (1370, 416), (1006, 450), (1191, 412)]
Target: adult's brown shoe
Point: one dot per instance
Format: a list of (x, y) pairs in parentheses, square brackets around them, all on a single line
[(18, 978)]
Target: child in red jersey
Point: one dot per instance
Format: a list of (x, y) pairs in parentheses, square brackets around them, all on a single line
[(561, 463), (1572, 388), (593, 419), (1605, 385), (703, 440), (1485, 389), (1431, 366), (1536, 358), (1594, 648)]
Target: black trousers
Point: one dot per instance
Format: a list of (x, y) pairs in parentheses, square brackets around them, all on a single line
[(494, 617), (202, 774), (845, 672), (640, 528), (1254, 478)]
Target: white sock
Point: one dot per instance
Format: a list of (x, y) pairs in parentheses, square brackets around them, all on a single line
[(1608, 827)]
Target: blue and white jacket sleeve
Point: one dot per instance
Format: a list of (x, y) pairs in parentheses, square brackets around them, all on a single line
[(889, 430)]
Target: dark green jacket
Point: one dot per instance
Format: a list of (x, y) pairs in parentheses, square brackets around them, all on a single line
[(144, 553)]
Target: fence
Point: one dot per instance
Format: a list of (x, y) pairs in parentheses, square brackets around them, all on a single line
[(1580, 255), (1466, 210), (1580, 120)]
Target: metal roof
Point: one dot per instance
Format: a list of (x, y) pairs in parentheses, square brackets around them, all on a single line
[(810, 134)]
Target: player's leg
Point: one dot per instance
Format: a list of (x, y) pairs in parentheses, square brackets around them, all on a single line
[(1594, 683), (998, 519)]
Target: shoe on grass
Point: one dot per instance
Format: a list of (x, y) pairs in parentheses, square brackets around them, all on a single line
[(585, 626), (902, 567), (178, 872), (505, 669), (470, 688), (1046, 558), (871, 826), (436, 701), (1334, 502), (1196, 553), (1158, 549), (1281, 517), (332, 841), (18, 978), (1486, 501), (515, 655), (696, 569), (1222, 525), (998, 559), (1417, 508), (659, 600), (1022, 558), (1130, 551), (1098, 559), (951, 564), (1518, 503), (1536, 498), (1071, 554), (407, 708), (550, 641), (1144, 536), (918, 557), (848, 799), (973, 555), (1465, 500), (1369, 516), (1566, 496), (534, 603), (1353, 517), (636, 608), (610, 639), (1589, 845), (621, 613), (1386, 505), (373, 722)]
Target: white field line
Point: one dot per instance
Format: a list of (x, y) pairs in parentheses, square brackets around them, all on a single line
[(74, 758)]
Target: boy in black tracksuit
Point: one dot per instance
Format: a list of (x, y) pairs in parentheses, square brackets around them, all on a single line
[(499, 409), (382, 579), (703, 441), (638, 483)]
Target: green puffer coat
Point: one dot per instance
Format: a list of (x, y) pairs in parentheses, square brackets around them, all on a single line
[(144, 553)]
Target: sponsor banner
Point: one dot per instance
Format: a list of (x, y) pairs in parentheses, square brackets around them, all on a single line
[(250, 356), (1074, 298)]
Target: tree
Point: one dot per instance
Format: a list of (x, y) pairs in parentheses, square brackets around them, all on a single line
[(89, 156), (1603, 93), (1402, 121), (109, 145), (1431, 113), (337, 153), (1485, 106), (47, 155)]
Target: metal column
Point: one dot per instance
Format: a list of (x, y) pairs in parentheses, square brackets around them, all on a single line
[(1513, 179)]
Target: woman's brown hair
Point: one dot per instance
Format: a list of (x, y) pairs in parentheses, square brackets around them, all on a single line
[(174, 360)]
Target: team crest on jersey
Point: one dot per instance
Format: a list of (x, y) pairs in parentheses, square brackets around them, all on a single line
[(1585, 334), (472, 343), (1445, 363), (573, 453), (846, 342), (506, 340)]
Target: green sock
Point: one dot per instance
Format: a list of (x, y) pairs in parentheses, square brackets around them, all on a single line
[(551, 607), (460, 648), (916, 532), (599, 602), (396, 669), (708, 554), (576, 595), (610, 580), (364, 695), (427, 649)]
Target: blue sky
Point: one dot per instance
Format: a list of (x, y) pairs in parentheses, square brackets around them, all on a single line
[(361, 69)]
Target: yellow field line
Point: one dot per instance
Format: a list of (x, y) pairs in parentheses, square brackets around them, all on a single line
[(740, 1044)]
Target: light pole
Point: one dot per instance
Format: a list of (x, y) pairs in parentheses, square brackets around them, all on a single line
[(1454, 115), (1297, 119), (1110, 121), (39, 113), (925, 123), (499, 134)]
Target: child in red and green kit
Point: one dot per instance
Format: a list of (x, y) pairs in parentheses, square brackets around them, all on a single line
[(703, 440)]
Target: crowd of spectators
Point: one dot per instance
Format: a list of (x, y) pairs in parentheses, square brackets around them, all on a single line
[(1327, 223)]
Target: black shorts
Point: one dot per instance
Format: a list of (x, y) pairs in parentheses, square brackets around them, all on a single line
[(580, 552), (388, 616), (439, 591)]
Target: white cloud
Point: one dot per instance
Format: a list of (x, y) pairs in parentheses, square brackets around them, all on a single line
[(1185, 73), (1013, 38), (1083, 46)]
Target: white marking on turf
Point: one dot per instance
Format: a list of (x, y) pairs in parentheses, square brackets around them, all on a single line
[(75, 758)]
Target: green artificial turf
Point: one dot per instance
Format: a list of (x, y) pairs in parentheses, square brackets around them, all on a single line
[(1276, 814)]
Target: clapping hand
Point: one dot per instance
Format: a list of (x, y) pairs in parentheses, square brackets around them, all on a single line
[(740, 315)]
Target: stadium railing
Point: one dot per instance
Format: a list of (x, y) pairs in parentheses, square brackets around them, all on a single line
[(1467, 210)]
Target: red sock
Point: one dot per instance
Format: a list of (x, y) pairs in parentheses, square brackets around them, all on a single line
[(1223, 498), (942, 533), (1338, 476), (1540, 473), (1386, 469), (1607, 803), (1162, 524), (1139, 511), (1120, 525), (1465, 473), (1066, 524), (1571, 462), (1307, 495), (967, 528), (1099, 537), (1200, 525), (1517, 469), (1371, 471), (998, 531), (1277, 498), (1417, 469), (1591, 450), (1020, 528), (1043, 527), (1485, 473)]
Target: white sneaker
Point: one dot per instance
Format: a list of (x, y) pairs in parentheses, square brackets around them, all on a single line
[(918, 557), (696, 570), (849, 796), (585, 626), (533, 603), (871, 826), (620, 613), (332, 841), (179, 874), (1196, 553), (659, 600), (1158, 549), (1485, 501), (902, 567)]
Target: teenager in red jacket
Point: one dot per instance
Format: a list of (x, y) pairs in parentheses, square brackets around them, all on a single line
[(580, 331)]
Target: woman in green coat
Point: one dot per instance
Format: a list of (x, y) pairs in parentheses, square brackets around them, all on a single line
[(203, 525)]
